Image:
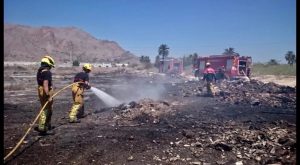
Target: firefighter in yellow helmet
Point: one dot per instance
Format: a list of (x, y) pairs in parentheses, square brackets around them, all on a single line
[(45, 91), (77, 110)]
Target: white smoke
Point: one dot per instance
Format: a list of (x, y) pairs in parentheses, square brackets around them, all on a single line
[(135, 91), (125, 90)]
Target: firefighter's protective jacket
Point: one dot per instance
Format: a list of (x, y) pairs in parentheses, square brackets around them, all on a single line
[(209, 74)]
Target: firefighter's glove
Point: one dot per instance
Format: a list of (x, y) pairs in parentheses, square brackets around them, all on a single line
[(49, 98), (88, 87)]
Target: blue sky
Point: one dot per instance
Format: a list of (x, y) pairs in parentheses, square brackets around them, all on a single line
[(263, 29)]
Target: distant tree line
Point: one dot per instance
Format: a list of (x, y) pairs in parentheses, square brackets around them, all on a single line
[(290, 57), (163, 52), (230, 51), (145, 59), (273, 62), (189, 59)]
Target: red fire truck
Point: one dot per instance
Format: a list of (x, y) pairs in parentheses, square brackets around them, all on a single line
[(171, 66), (235, 66)]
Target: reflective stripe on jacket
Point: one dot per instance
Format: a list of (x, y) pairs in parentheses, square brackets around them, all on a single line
[(209, 70)]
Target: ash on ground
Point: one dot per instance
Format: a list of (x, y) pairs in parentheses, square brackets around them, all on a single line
[(245, 123)]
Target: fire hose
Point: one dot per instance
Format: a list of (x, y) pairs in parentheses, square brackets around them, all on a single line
[(27, 132)]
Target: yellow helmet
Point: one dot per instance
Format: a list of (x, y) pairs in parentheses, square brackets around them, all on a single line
[(87, 66), (48, 60)]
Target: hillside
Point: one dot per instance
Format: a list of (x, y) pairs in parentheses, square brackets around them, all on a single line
[(25, 43)]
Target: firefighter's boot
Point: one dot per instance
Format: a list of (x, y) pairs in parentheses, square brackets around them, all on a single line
[(81, 113), (73, 113), (210, 90), (42, 121), (48, 120), (213, 90)]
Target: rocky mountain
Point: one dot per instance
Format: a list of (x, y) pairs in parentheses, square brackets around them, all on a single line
[(25, 43)]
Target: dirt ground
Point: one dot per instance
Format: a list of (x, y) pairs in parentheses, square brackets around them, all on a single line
[(163, 120)]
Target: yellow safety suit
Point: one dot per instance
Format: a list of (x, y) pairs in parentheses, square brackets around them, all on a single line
[(209, 76), (77, 109), (45, 117), (210, 89)]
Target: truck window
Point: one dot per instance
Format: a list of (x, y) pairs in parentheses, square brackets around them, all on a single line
[(176, 67), (242, 67), (201, 65), (228, 64), (242, 64)]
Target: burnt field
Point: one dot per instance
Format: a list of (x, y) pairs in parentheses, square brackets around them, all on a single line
[(163, 120)]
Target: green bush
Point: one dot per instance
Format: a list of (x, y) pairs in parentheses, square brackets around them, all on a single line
[(273, 62), (76, 63)]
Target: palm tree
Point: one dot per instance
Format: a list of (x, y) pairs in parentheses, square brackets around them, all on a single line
[(163, 51), (290, 57), (230, 51)]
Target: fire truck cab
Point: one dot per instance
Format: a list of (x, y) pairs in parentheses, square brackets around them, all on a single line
[(235, 66)]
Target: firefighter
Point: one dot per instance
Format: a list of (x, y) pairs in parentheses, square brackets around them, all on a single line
[(209, 77), (196, 74), (221, 75), (45, 91), (77, 110), (248, 72)]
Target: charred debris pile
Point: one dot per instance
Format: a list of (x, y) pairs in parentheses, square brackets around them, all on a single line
[(253, 92), (224, 142), (141, 112)]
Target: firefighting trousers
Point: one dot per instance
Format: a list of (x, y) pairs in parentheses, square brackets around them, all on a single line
[(45, 117), (77, 109), (210, 88)]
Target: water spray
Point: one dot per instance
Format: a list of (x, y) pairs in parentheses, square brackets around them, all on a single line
[(106, 98)]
